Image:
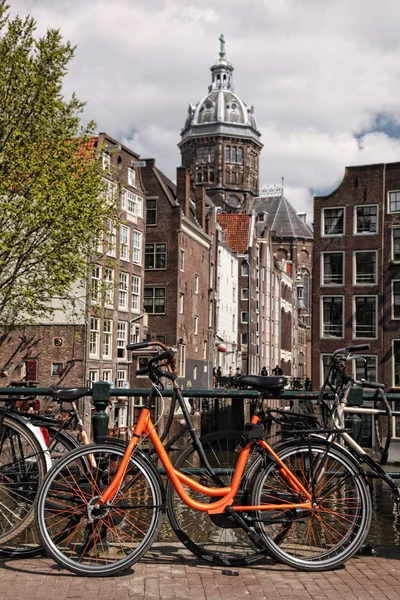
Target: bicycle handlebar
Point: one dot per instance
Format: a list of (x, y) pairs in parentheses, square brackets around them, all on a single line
[(169, 355), (350, 349)]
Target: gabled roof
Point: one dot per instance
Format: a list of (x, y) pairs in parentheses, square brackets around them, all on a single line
[(236, 231), (282, 217)]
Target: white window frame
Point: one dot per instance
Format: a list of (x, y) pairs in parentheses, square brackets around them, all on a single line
[(106, 375), (111, 239), (392, 302), (196, 284), (245, 269), (331, 337), (107, 338), (364, 337), (106, 161), (334, 283), (95, 284), (181, 360), (137, 247), (124, 242), (324, 210), (244, 294), (109, 286), (123, 198), (109, 191), (244, 312), (182, 260), (121, 340), (365, 283), (131, 177), (205, 348), (181, 303), (93, 376), (196, 325), (122, 376), (94, 336), (355, 219), (388, 201), (123, 290), (396, 260), (369, 357), (135, 293)]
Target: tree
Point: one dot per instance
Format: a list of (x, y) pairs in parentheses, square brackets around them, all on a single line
[(52, 203)]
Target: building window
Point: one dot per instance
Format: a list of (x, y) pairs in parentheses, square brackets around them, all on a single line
[(365, 317), (107, 338), (123, 197), (396, 244), (194, 372), (365, 267), (109, 286), (137, 247), (143, 363), (121, 378), (121, 339), (110, 190), (106, 161), (94, 337), (333, 268), (196, 284), (396, 299), (161, 338), (107, 375), (244, 294), (154, 301), (134, 336), (155, 256), (196, 325), (205, 348), (245, 269), (151, 211), (181, 303), (93, 376), (227, 154), (240, 156), (366, 219), (366, 368), (123, 291), (134, 204), (31, 370), (394, 201), (131, 177), (244, 338), (182, 260), (181, 360), (124, 242), (396, 360), (244, 317), (135, 293), (332, 310), (95, 290), (56, 369), (111, 239), (333, 221)]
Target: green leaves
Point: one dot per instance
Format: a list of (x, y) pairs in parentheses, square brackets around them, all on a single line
[(51, 207)]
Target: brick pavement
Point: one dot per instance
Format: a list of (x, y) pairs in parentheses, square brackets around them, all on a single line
[(168, 572)]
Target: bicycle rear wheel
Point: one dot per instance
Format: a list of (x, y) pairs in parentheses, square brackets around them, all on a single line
[(215, 538), (102, 541), (22, 469), (26, 544), (326, 536)]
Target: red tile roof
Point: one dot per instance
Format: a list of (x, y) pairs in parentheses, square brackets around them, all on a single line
[(236, 231)]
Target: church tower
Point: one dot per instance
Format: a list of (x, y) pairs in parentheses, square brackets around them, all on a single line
[(221, 143)]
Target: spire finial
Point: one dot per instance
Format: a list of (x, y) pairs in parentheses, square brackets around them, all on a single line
[(222, 50)]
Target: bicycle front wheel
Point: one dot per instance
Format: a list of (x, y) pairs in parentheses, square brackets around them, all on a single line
[(26, 544), (22, 469), (98, 541), (215, 538), (327, 535)]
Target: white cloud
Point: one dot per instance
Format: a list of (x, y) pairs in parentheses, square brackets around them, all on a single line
[(318, 74)]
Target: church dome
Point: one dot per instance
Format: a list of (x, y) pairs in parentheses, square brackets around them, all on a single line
[(221, 106)]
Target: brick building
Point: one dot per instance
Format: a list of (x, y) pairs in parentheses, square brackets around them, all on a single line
[(356, 293), (179, 259)]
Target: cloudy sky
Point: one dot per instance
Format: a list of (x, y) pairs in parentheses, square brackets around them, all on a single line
[(323, 76)]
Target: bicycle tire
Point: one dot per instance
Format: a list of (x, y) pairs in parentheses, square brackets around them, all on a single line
[(115, 539), (22, 470), (327, 536), (214, 538), (27, 543)]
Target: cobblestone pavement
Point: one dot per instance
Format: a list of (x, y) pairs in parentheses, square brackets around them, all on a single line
[(169, 572)]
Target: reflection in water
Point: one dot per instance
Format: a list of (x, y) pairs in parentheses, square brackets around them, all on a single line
[(385, 526)]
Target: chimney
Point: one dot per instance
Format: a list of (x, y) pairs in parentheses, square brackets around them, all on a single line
[(201, 206), (302, 216), (183, 189)]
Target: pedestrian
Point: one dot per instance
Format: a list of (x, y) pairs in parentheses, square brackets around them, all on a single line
[(264, 372), (238, 371), (219, 372), (277, 370)]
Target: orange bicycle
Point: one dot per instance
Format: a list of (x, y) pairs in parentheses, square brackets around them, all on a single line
[(305, 503)]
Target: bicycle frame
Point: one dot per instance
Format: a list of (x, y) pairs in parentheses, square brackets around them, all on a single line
[(146, 427)]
